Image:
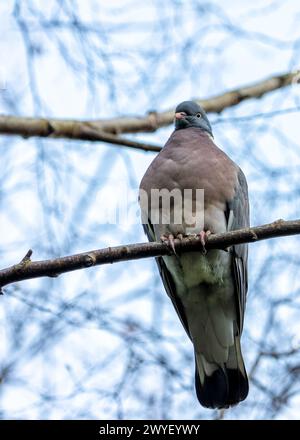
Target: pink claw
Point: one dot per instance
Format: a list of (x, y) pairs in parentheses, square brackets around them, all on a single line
[(169, 240), (203, 235)]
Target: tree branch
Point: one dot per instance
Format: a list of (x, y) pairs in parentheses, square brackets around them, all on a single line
[(110, 129), (28, 269)]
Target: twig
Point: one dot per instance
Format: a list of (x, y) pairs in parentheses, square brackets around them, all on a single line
[(27, 257), (34, 269)]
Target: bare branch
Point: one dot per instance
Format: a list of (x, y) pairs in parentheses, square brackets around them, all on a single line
[(109, 130), (68, 129), (28, 269)]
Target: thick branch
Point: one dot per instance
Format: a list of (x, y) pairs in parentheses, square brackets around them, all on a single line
[(28, 269), (110, 129)]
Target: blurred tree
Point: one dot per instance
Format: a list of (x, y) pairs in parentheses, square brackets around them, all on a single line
[(105, 342)]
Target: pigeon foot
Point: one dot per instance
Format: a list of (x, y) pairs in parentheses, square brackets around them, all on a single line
[(203, 236), (169, 240)]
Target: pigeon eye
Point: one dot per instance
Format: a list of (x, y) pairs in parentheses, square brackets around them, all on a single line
[(198, 115)]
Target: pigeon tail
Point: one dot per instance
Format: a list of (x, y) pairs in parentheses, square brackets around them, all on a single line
[(221, 386)]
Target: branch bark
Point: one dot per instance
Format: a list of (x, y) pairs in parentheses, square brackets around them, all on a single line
[(110, 129), (28, 269)]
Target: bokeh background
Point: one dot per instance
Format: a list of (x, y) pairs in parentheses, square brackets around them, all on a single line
[(105, 342)]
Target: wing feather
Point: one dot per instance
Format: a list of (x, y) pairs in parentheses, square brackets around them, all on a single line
[(167, 280), (238, 213)]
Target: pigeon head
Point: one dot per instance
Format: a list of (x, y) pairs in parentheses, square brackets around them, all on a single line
[(190, 114)]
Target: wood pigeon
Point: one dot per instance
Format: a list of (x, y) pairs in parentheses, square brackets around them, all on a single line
[(207, 289)]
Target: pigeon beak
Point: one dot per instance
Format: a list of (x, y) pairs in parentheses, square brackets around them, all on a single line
[(180, 115)]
